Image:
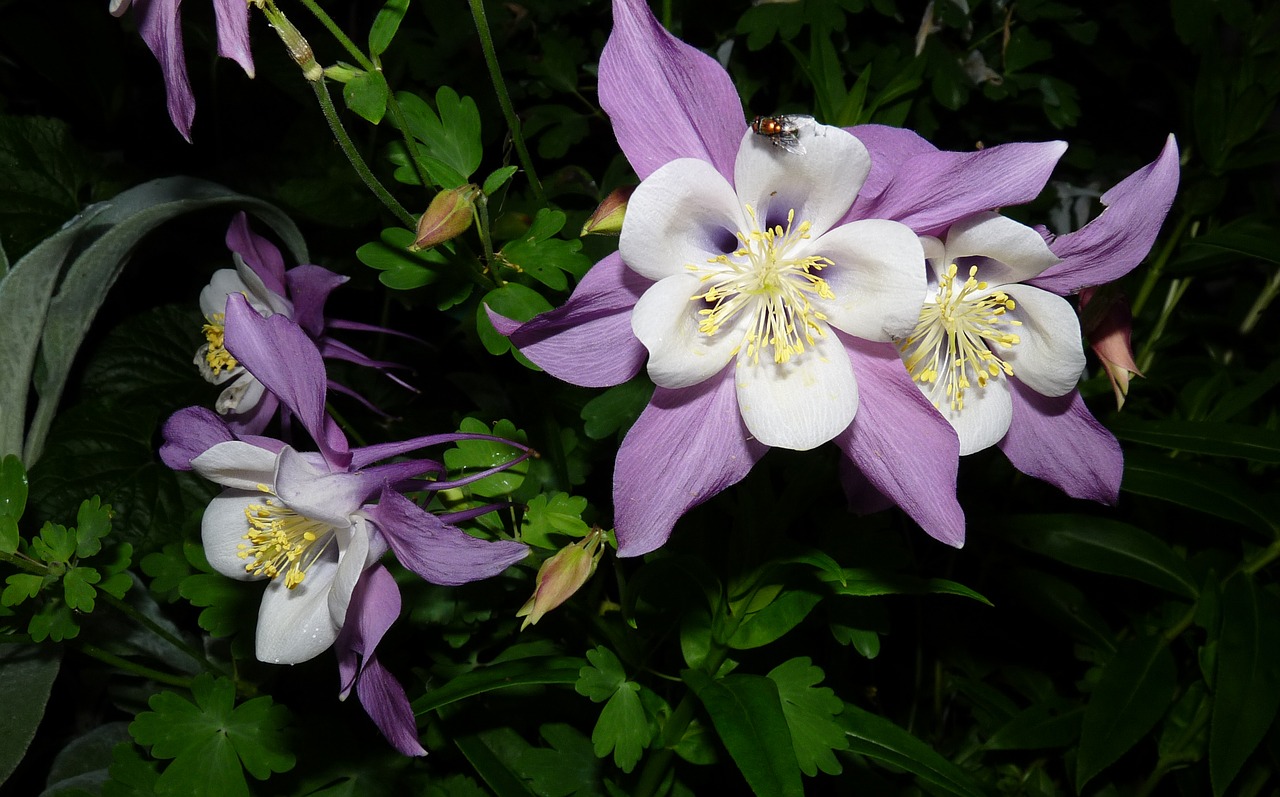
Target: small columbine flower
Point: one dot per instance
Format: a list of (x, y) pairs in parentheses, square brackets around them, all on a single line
[(314, 525), (160, 25), (981, 328)]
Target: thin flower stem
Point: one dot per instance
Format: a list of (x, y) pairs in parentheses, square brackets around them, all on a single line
[(1260, 305), (105, 657), (24, 563), (1157, 266), (666, 14), (149, 624), (504, 99), (1177, 288), (343, 39), (357, 162), (480, 210)]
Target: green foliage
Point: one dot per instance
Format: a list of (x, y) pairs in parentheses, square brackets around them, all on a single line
[(557, 513), (622, 727), (449, 137), (473, 456), (213, 742), (548, 260), (810, 713)]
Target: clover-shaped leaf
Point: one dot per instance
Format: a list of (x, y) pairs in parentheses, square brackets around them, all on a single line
[(809, 712), (558, 513), (543, 257), (212, 741), (471, 456), (93, 522)]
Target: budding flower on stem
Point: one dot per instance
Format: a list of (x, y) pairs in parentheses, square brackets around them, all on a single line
[(299, 48), (1108, 325), (562, 575), (448, 216), (607, 218)]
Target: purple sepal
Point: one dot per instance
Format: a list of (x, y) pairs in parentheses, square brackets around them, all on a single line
[(889, 148), (361, 457), (159, 24), (862, 496), (357, 326), (588, 342), (281, 356), (233, 32), (1111, 245), (666, 100), (375, 605), (258, 253), (190, 432), (309, 288), (257, 418), (902, 445), (930, 191), (331, 349), (1058, 440), (436, 551), (687, 445)]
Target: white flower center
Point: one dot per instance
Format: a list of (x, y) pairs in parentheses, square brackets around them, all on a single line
[(952, 340), (280, 541), (763, 280)]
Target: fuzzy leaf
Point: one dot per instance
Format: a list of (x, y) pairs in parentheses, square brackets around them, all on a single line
[(26, 678)]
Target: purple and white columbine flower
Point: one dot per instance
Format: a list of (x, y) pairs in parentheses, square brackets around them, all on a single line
[(826, 378), (316, 524), (160, 25), (298, 294)]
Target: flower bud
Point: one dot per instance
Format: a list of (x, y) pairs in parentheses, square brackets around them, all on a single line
[(297, 45), (342, 72), (1108, 325), (562, 575), (448, 216), (607, 220)]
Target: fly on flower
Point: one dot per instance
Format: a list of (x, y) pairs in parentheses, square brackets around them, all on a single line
[(782, 131)]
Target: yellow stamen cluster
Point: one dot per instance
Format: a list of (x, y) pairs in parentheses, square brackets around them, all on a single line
[(759, 278), (955, 333), (217, 356), (281, 541)]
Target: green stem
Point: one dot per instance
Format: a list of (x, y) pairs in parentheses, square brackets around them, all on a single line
[(24, 563), (1177, 288), (357, 162), (343, 39), (504, 99), (105, 657), (657, 764), (149, 624), (666, 14), (402, 122), (1157, 266)]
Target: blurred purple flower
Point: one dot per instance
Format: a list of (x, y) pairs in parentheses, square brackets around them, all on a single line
[(299, 294), (309, 522), (160, 25), (701, 435)]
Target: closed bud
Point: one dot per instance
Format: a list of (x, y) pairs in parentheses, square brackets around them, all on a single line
[(342, 72), (448, 216), (607, 220), (1108, 324), (562, 575)]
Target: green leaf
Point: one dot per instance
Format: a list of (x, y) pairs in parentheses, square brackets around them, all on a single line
[(1132, 694), (22, 586), (103, 245), (1037, 727), (83, 762), (570, 767), (131, 774), (602, 677), (810, 712), (1196, 486), (26, 678), (613, 411), (1062, 605), (13, 501), (54, 621), (471, 456), (1202, 437), (746, 711), (498, 178), (55, 544), (557, 513), (876, 737), (1246, 686), (366, 96), (514, 301), (230, 605), (45, 176), (77, 586), (546, 259), (402, 269), (862, 582), (777, 618), (93, 522), (1103, 546), (211, 739), (521, 672), (622, 727), (385, 26), (494, 755), (451, 140)]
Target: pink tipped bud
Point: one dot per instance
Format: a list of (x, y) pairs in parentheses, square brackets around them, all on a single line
[(607, 220), (1108, 325), (562, 575), (448, 216)]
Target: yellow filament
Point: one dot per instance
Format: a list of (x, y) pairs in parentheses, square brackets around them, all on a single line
[(217, 356), (953, 338), (280, 541)]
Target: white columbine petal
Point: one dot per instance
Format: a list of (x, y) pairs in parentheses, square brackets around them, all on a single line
[(877, 277), (310, 489), (1018, 251), (985, 419), (222, 531), (295, 625), (236, 464), (666, 322), (801, 403), (683, 214), (1049, 357), (819, 185)]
